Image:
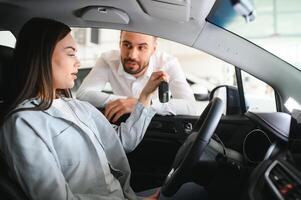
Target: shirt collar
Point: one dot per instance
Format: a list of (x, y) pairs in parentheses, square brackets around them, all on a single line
[(150, 68)]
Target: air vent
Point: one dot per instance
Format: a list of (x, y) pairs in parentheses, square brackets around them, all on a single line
[(284, 184), (255, 145)]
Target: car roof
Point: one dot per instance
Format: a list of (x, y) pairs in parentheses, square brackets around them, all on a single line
[(183, 21), (76, 13)]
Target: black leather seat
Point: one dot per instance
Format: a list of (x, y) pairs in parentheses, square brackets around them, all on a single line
[(6, 54), (9, 189)]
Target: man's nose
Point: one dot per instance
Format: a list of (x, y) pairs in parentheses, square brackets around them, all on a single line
[(133, 53)]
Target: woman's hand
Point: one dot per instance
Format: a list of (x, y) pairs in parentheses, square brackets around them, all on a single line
[(152, 84), (154, 196)]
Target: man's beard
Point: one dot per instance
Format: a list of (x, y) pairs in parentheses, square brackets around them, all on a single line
[(129, 70)]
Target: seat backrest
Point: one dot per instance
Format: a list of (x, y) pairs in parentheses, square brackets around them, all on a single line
[(9, 188), (6, 57)]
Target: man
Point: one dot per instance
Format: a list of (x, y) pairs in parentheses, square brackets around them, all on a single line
[(128, 70)]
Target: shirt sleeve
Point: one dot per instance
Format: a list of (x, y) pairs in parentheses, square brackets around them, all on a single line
[(92, 86), (132, 131), (182, 101), (34, 164)]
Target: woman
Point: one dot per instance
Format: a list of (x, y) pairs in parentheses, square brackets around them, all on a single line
[(59, 147)]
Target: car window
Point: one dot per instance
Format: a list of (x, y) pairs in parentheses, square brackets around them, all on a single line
[(7, 39), (203, 72), (201, 69), (259, 96)]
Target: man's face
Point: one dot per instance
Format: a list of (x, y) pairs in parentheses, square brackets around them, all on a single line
[(136, 50)]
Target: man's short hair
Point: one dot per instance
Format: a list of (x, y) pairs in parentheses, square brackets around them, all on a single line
[(155, 37)]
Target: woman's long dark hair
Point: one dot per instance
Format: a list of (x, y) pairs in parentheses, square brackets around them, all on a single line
[(31, 76)]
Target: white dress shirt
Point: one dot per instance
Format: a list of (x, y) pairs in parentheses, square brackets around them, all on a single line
[(109, 69)]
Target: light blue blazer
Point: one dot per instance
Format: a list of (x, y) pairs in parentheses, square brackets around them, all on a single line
[(53, 158)]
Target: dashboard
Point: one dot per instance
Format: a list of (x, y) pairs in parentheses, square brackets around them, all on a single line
[(278, 176)]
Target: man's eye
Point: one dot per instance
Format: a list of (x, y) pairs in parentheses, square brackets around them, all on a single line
[(127, 45), (142, 48)]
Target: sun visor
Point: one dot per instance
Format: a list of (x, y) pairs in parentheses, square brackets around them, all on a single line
[(105, 14), (176, 10)]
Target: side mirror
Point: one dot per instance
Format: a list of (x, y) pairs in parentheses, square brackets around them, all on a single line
[(230, 96), (202, 96), (201, 93)]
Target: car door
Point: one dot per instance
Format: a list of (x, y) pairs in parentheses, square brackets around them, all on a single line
[(152, 159)]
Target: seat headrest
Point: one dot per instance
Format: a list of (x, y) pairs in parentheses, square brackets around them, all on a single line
[(6, 53), (6, 57)]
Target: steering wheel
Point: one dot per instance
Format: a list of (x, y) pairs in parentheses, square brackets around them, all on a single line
[(189, 153)]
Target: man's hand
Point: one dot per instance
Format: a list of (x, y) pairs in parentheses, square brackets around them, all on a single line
[(154, 196), (115, 109), (152, 84)]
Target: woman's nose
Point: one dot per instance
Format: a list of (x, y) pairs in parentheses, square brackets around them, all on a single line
[(77, 63)]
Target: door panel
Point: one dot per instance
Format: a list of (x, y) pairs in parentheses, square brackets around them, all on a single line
[(151, 160)]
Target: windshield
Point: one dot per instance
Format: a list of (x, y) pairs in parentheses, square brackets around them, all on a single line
[(276, 27)]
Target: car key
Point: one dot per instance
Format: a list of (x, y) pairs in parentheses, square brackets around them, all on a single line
[(164, 92)]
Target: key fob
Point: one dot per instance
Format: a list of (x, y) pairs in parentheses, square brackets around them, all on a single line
[(163, 92)]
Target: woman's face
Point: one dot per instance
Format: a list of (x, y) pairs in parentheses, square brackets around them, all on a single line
[(65, 63)]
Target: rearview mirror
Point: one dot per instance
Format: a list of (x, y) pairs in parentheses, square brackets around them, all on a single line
[(225, 11), (245, 8)]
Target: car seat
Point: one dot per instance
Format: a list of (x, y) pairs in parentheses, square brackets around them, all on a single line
[(6, 55), (9, 188)]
